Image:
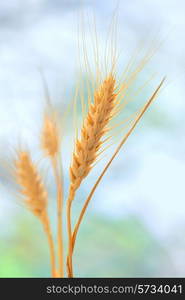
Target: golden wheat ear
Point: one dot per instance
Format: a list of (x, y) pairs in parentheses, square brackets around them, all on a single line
[(94, 128), (34, 195)]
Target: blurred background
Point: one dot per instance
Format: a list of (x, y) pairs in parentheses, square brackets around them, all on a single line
[(135, 224)]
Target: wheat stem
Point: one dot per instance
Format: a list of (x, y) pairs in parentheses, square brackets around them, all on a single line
[(70, 249), (47, 229), (59, 181), (74, 235)]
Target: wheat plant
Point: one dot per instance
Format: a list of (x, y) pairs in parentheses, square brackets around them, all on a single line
[(106, 99)]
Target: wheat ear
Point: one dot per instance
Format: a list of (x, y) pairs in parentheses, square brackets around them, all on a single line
[(50, 139), (124, 139), (35, 196), (50, 142), (88, 145)]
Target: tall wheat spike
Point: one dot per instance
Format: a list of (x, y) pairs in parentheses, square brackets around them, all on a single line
[(35, 196), (88, 145), (50, 142)]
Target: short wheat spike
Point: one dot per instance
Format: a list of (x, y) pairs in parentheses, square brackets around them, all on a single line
[(35, 196), (88, 145), (50, 142)]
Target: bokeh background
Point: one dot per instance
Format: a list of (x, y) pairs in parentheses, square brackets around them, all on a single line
[(135, 224)]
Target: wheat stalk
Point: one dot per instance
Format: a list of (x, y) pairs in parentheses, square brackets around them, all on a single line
[(35, 196), (124, 139), (88, 145), (50, 142)]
